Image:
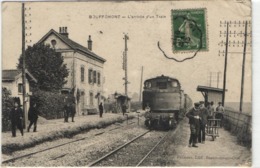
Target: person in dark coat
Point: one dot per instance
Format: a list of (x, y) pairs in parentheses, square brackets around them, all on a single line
[(124, 109), (16, 117), (203, 122), (193, 115), (66, 112), (100, 110), (73, 111), (33, 117)]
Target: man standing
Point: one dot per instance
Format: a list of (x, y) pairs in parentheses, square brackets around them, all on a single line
[(193, 115), (100, 110), (66, 112), (203, 122), (33, 116), (211, 110), (73, 111), (220, 112), (124, 108), (16, 117)]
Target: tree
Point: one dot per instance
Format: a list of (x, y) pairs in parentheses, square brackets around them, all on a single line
[(7, 104), (46, 66)]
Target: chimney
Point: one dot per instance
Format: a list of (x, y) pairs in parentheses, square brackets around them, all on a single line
[(89, 43), (63, 31)]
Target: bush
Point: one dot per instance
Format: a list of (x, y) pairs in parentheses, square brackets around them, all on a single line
[(51, 104), (7, 104), (136, 106)]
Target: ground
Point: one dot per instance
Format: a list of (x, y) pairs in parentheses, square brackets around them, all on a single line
[(173, 151)]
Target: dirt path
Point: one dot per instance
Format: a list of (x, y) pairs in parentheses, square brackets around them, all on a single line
[(224, 151)]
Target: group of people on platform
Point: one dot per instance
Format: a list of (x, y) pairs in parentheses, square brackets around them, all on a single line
[(69, 110), (198, 120), (16, 117)]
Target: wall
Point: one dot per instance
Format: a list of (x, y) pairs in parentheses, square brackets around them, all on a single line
[(215, 97), (77, 60), (240, 125), (85, 86)]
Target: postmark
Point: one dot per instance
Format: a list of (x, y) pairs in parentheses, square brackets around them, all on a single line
[(189, 31)]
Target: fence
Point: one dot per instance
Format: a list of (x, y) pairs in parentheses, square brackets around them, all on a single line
[(239, 124)]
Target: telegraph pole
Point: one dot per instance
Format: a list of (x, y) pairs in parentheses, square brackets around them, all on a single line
[(236, 34), (125, 63), (23, 70), (225, 69), (243, 69), (140, 95)]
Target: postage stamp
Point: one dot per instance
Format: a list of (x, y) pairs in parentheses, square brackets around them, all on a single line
[(189, 31)]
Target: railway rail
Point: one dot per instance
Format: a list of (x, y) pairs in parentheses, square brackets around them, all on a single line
[(99, 160), (63, 144)]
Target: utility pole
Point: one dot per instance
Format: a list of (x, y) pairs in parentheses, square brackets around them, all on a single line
[(225, 68), (125, 63), (237, 34), (243, 70), (140, 94), (23, 70)]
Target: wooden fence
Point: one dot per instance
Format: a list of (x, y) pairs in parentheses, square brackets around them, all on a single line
[(239, 124)]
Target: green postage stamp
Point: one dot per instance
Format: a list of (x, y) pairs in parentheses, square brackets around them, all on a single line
[(189, 30)]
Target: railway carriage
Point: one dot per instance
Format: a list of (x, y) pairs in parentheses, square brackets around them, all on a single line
[(165, 100)]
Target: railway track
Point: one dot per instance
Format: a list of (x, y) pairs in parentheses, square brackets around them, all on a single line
[(99, 161), (63, 144)]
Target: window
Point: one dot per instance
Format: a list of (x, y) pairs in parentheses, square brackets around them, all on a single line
[(162, 85), (91, 99), (90, 75), (174, 84), (20, 88), (53, 43), (98, 78), (82, 70), (94, 77), (148, 84)]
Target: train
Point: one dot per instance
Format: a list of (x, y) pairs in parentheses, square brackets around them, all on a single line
[(164, 101)]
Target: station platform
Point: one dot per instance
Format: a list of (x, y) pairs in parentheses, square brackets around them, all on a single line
[(223, 151), (53, 129)]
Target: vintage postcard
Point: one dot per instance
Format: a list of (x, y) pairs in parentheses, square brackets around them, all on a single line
[(127, 83)]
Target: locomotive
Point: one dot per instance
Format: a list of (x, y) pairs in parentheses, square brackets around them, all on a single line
[(164, 101)]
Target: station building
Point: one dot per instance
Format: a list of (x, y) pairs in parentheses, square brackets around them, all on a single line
[(86, 74)]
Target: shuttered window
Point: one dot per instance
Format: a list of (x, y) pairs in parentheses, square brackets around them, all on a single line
[(82, 70), (94, 77), (90, 75), (20, 88), (98, 78)]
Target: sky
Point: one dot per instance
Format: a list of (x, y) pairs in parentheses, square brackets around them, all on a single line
[(146, 23)]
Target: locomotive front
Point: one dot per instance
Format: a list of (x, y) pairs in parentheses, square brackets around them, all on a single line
[(163, 100)]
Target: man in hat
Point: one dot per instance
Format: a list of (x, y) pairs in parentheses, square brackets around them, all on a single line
[(211, 110), (219, 112), (16, 117), (33, 117), (66, 112), (193, 115), (203, 122), (100, 110), (72, 110), (220, 108)]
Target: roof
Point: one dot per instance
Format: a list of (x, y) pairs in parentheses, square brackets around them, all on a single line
[(207, 88), (74, 45), (119, 96), (13, 74), (162, 77)]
